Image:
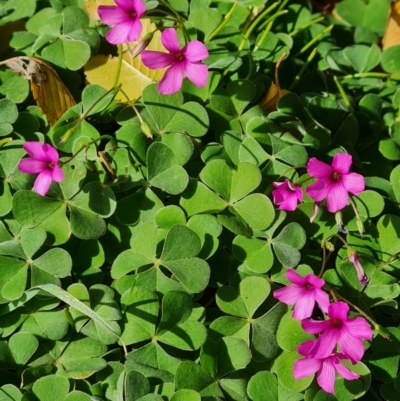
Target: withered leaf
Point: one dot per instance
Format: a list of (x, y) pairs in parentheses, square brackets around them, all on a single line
[(49, 92)]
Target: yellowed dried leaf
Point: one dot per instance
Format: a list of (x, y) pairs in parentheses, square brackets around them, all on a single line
[(49, 92), (134, 76), (91, 7), (392, 32)]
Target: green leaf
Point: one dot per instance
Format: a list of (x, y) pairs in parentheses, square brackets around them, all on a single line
[(232, 354), (284, 368), (363, 58), (51, 388), (23, 346), (244, 303), (9, 392), (205, 20), (326, 112), (140, 310), (186, 395), (263, 385), (290, 333), (8, 111), (94, 97), (136, 386)]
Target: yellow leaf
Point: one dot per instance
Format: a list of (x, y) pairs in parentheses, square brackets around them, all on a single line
[(91, 7), (392, 32), (49, 92), (134, 76)]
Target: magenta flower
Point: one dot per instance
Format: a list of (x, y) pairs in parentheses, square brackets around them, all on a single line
[(338, 329), (304, 292), (287, 195), (185, 61), (43, 160), (334, 182), (126, 18), (325, 367), (354, 258)]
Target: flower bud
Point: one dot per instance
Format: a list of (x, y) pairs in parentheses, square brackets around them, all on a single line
[(142, 44), (329, 246), (314, 211), (146, 130), (383, 332), (360, 226)]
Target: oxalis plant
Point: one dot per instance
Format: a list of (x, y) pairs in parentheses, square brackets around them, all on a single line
[(199, 200)]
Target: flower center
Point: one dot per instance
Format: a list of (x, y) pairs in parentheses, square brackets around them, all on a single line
[(50, 165), (336, 176), (180, 56), (133, 14), (337, 323), (309, 287)]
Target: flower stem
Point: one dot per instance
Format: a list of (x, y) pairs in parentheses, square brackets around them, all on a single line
[(119, 65), (172, 9), (342, 93), (269, 22), (303, 68), (253, 25), (323, 259), (86, 146), (315, 40), (366, 75), (226, 19), (4, 141), (68, 134), (305, 26)]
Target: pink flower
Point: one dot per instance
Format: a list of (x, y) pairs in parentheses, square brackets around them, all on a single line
[(334, 182), (126, 18), (354, 258), (287, 195), (303, 294), (181, 61), (43, 160), (325, 367), (338, 329)]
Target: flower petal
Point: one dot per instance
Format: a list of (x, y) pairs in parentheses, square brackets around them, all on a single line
[(306, 347), (325, 343), (51, 153), (42, 182), (197, 73), (57, 174), (139, 7), (303, 308), (326, 376), (125, 5), (350, 346), (315, 326), (344, 372), (299, 194), (135, 31), (156, 60), (322, 299), (295, 278), (172, 80), (337, 197), (121, 33), (112, 15), (306, 367), (290, 294), (290, 203), (338, 310), (359, 328), (170, 41), (319, 190), (341, 162), (316, 282), (195, 51), (32, 166), (318, 169), (353, 183), (35, 150)]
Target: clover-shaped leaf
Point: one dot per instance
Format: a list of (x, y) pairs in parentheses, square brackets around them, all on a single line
[(101, 299), (163, 171), (47, 268)]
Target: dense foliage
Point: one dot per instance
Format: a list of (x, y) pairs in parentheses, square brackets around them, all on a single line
[(145, 228)]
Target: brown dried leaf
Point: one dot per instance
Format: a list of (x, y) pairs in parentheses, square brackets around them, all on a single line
[(392, 32), (274, 93), (49, 92)]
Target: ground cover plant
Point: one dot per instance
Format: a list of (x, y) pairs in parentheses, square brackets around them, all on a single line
[(199, 200)]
